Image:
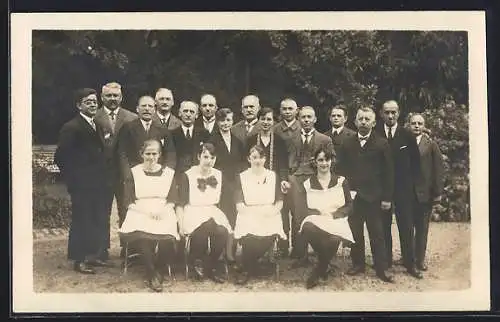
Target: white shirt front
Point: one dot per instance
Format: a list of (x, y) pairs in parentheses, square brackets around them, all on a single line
[(306, 137), (184, 129), (209, 125), (419, 137), (146, 125), (363, 138), (289, 124), (115, 111), (392, 129), (163, 119), (89, 120), (227, 139), (249, 126), (338, 130)]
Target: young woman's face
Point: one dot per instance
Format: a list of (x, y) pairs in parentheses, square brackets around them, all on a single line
[(266, 121), (151, 154), (256, 160), (322, 163), (226, 124), (207, 160)]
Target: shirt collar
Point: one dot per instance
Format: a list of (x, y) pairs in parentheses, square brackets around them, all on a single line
[(393, 128), (90, 120), (338, 130), (212, 120), (419, 138), (289, 124), (303, 132), (144, 123), (107, 110), (367, 136), (161, 116), (252, 123), (185, 128)]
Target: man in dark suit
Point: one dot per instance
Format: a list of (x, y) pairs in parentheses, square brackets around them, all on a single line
[(250, 106), (429, 186), (367, 163), (288, 129), (338, 132), (84, 165), (208, 107), (302, 150), (164, 100), (111, 117), (133, 134), (406, 162)]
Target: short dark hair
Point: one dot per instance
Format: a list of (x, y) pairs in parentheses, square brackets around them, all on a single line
[(265, 110), (329, 155), (259, 149), (82, 93), (337, 107), (221, 114), (207, 147), (148, 143)]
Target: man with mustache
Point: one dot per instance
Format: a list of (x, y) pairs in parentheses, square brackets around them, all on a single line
[(83, 162), (208, 107), (302, 150), (164, 100), (249, 125), (111, 117)]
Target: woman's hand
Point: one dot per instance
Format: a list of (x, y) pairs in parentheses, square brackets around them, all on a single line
[(285, 186), (278, 206), (155, 215)]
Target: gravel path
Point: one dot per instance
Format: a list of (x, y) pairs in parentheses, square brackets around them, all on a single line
[(448, 258)]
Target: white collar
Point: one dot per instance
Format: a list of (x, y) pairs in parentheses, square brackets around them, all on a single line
[(162, 117), (208, 121), (418, 137), (392, 128), (289, 124), (338, 130), (185, 128), (252, 123), (145, 123), (107, 110), (303, 132), (90, 120), (367, 136)]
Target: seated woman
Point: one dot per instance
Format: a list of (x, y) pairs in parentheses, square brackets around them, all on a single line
[(259, 202), (328, 202), (150, 218), (199, 215)]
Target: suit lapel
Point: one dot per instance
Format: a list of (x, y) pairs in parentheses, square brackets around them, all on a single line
[(424, 144)]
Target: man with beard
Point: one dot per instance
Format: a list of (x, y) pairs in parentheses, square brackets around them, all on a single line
[(288, 128), (302, 150), (164, 100), (81, 157), (250, 125), (111, 117), (367, 164), (406, 162), (208, 107)]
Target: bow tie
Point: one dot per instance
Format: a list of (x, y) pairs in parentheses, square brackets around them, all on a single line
[(202, 183), (363, 138)]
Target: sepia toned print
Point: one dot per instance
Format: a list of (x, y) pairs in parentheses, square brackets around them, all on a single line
[(176, 162)]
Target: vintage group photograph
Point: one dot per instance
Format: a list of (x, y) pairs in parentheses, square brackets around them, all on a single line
[(294, 160)]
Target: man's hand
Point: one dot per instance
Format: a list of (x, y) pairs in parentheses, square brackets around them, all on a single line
[(385, 205), (285, 186)]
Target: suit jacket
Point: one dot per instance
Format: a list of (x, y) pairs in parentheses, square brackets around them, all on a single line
[(187, 150), (111, 135), (287, 133), (406, 162), (280, 155), (229, 162), (430, 183), (131, 138), (304, 167), (81, 156), (172, 123), (369, 169), (199, 123), (240, 131), (337, 141)]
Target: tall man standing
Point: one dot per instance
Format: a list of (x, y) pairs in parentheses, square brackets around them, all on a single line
[(84, 165), (406, 162), (367, 163), (208, 107), (111, 117), (250, 106), (302, 149), (164, 100), (429, 186), (288, 128)]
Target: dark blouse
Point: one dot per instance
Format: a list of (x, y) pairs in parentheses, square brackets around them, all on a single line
[(129, 193), (183, 189), (239, 197), (280, 155)]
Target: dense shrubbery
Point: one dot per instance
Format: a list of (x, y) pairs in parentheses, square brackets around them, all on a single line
[(449, 125), (50, 210)]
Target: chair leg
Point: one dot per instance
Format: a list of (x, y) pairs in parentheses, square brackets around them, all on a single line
[(187, 247), (125, 260)]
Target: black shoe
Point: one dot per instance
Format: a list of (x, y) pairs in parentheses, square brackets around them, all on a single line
[(313, 279), (83, 267), (243, 278), (356, 270), (413, 272), (199, 269), (155, 284), (384, 277), (215, 276), (422, 267), (300, 263)]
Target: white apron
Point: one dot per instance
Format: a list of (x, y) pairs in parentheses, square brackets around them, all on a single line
[(203, 204), (259, 217), (327, 201), (151, 193)]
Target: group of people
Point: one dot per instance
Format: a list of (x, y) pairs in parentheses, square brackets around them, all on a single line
[(197, 182)]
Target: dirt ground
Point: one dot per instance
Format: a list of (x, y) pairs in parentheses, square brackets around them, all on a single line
[(448, 259)]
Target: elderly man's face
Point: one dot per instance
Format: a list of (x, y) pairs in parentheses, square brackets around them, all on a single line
[(88, 105), (188, 113), (250, 107), (288, 110), (365, 121), (307, 118), (390, 113), (164, 101), (111, 97), (146, 108), (208, 106), (417, 124)]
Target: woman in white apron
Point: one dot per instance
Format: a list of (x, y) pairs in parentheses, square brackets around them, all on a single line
[(328, 201), (150, 216), (199, 214), (259, 202)]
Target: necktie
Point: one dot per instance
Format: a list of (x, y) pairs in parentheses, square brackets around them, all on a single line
[(188, 135), (335, 133), (362, 140), (92, 123), (389, 134), (147, 127), (162, 120), (248, 128), (306, 138), (112, 115)]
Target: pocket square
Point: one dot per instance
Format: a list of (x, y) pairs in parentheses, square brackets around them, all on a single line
[(353, 194), (403, 147), (162, 141), (107, 135)]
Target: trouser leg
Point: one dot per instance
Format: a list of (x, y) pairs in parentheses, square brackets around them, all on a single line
[(356, 223), (404, 218), (421, 221), (374, 225), (299, 212), (386, 218)]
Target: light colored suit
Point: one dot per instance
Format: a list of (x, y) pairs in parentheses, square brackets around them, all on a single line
[(240, 131)]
